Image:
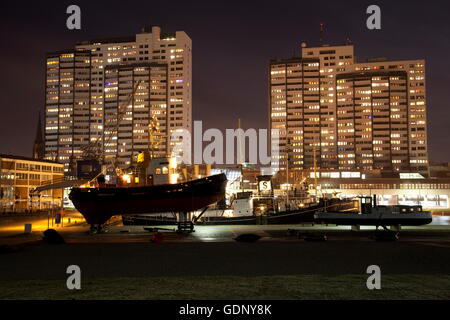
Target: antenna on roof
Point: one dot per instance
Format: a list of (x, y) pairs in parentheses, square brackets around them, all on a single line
[(348, 40), (322, 30)]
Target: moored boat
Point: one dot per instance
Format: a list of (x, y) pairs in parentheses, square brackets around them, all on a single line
[(240, 215), (371, 214)]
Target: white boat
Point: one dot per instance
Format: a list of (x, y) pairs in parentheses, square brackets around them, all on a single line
[(371, 214)]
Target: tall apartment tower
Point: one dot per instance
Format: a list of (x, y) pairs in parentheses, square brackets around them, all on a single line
[(295, 109), (109, 91), (349, 116)]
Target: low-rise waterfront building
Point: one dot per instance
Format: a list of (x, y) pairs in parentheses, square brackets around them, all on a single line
[(19, 176), (401, 189)]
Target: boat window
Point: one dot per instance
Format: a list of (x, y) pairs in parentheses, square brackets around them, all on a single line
[(158, 171), (165, 170)]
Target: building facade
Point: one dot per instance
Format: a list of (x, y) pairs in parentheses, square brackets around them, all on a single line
[(295, 109), (428, 192), (344, 115), (19, 176), (78, 91), (146, 107), (68, 114)]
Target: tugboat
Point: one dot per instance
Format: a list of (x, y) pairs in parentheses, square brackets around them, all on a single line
[(299, 215), (371, 214), (305, 214), (98, 205)]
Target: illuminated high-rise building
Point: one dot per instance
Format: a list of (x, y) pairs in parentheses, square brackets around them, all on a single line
[(342, 115), (150, 72), (135, 101)]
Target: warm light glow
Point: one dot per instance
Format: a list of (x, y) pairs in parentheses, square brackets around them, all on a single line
[(174, 178), (173, 175), (126, 178)]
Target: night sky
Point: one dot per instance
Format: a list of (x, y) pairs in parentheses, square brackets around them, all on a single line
[(232, 44)]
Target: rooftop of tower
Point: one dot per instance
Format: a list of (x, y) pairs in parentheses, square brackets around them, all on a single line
[(15, 157)]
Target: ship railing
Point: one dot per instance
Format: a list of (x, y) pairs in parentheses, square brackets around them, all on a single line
[(294, 212), (277, 215)]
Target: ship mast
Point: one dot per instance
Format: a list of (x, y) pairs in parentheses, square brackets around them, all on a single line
[(153, 128), (95, 149)]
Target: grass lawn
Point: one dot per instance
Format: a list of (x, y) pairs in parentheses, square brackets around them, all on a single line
[(293, 287)]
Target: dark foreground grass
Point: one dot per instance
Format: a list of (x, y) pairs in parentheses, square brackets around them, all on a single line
[(232, 287)]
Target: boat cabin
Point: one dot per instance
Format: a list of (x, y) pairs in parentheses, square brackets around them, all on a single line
[(367, 204)]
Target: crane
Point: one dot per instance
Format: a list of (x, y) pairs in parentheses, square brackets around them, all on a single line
[(94, 149)]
